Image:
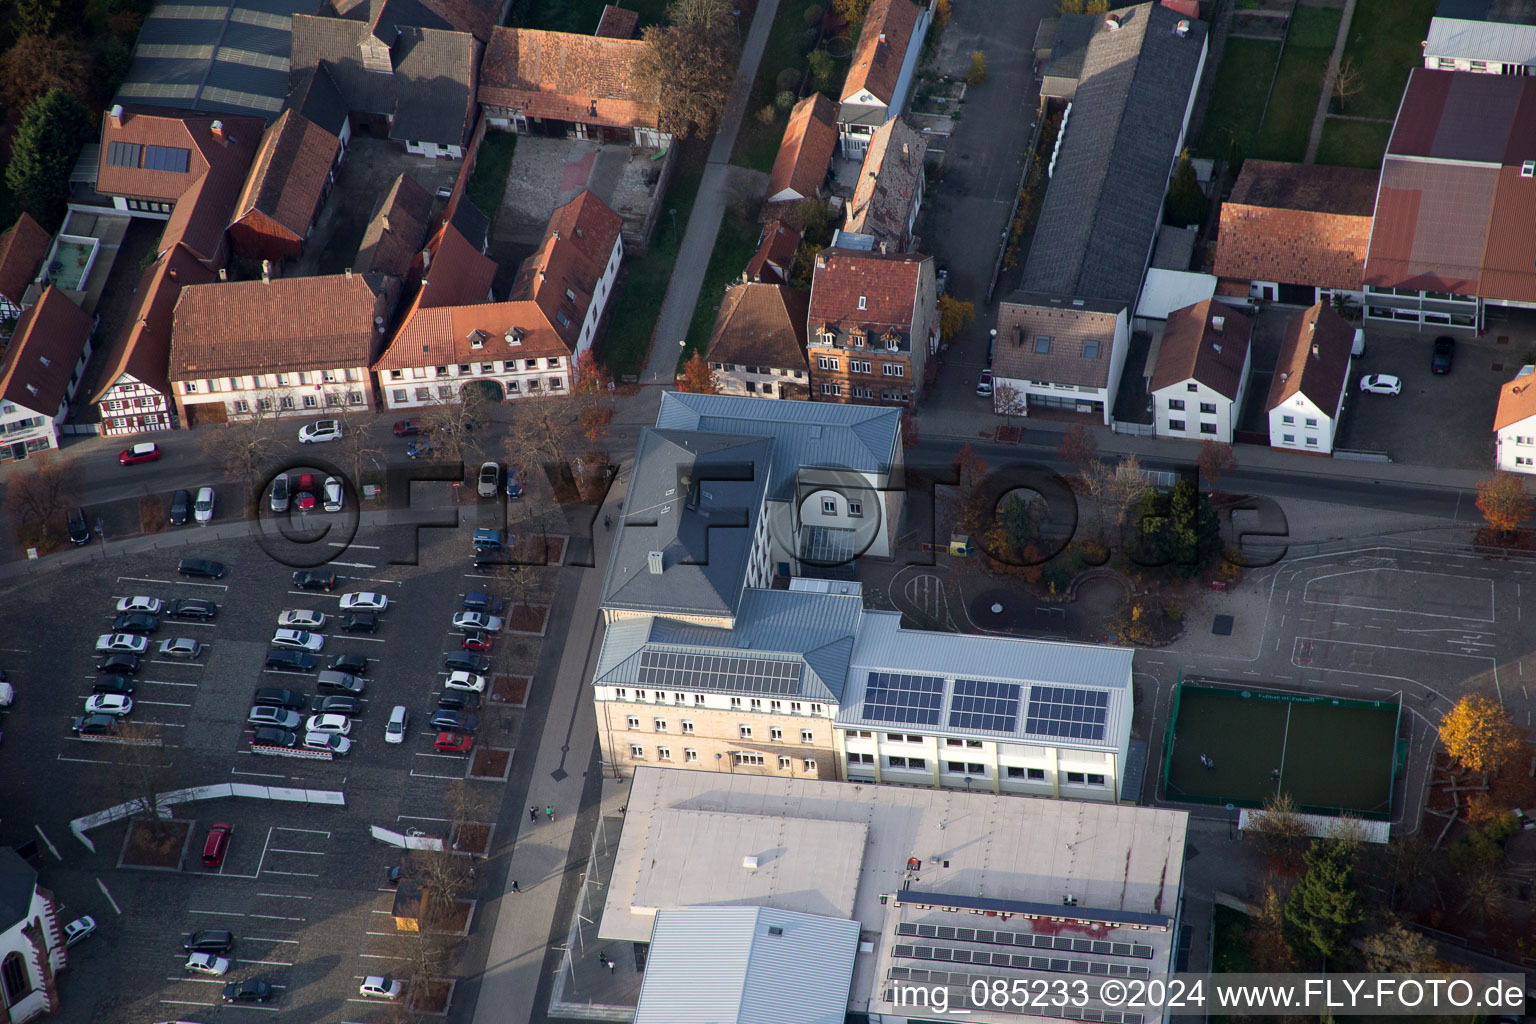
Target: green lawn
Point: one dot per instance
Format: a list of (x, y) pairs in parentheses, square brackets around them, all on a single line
[(643, 282), (1298, 85), (788, 43), (1237, 99), (582, 16), (489, 182), (734, 246), (1385, 38), (1353, 143)]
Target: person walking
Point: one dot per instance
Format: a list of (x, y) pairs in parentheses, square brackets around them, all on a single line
[(515, 887), (549, 812), (533, 814)]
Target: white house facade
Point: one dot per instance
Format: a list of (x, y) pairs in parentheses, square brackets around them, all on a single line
[(1300, 426), (32, 948), (1514, 424), (1311, 380), (1057, 353), (1481, 47), (509, 378), (293, 393)]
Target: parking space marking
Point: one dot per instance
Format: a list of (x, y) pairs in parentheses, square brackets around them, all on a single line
[(84, 760), (355, 565), (200, 625), (310, 831), (167, 725), (218, 913), (285, 896), (416, 817), (260, 775), (445, 757), (253, 1006), (141, 579), (428, 775), (339, 544), (103, 887), (265, 963), (261, 938), (291, 874), (162, 661), (189, 583), (195, 981), (382, 956), (275, 917), (161, 704), (191, 1002), (354, 636), (367, 579)]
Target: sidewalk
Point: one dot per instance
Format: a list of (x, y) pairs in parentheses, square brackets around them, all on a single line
[(709, 206)]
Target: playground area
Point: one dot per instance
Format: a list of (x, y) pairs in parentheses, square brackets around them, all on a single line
[(1238, 746)]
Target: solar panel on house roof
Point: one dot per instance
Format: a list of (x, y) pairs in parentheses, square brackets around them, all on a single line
[(167, 158), (677, 671), (910, 700), (1062, 711), (979, 704), (122, 154)]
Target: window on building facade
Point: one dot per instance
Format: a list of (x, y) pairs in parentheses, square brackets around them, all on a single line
[(1209, 408), (1175, 424), (1207, 428), (1175, 405), (636, 751), (808, 764), (748, 760), (775, 733), (690, 755), (663, 753), (660, 723), (634, 721), (807, 736), (745, 731), (829, 506)]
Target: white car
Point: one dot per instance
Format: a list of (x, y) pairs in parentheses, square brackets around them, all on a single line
[(79, 928), (109, 704), (380, 986), (338, 725), (302, 618), (298, 639), (320, 430), (1381, 384), (476, 620), (145, 605), (127, 643), (202, 508), (364, 602), (333, 494), (331, 741), (489, 480), (394, 730), (206, 963), (180, 647), (465, 681)]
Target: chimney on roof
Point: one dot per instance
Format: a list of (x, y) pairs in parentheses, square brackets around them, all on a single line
[(426, 260), (821, 261), (266, 271), (223, 274), (171, 273), (1218, 323), (117, 115), (581, 232), (556, 236), (348, 272), (1112, 21), (653, 562), (217, 129), (882, 38), (1182, 28), (882, 249)]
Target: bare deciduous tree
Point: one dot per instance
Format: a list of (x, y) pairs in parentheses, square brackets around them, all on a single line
[(245, 446), (37, 495), (147, 770), (451, 423), (1347, 83)]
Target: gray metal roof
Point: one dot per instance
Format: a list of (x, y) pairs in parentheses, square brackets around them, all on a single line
[(1481, 40), (806, 434), (883, 646), (18, 883), (739, 965), (815, 629), (1117, 150), (703, 526)]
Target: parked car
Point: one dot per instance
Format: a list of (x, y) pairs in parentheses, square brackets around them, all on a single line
[(145, 451), (399, 721), (209, 940), (314, 579), (279, 500), (202, 508), (298, 639), (109, 643), (180, 647), (352, 664), (465, 681), (1381, 384), (364, 601), (333, 494), (340, 704), (479, 601), (278, 718), (79, 929), (204, 567), (206, 963), (380, 986), (984, 386), (302, 618), (126, 664), (362, 622), (304, 493), (330, 679), (274, 697), (142, 604), (407, 428), (459, 700), (460, 721), (93, 724), (216, 843), (135, 622), (419, 449), (464, 661), (514, 482), (454, 742), (251, 990), (114, 704), (193, 607), (476, 640), (267, 736), (476, 620), (488, 540), (291, 661), (115, 684), (337, 744), (320, 430), (338, 724), (1444, 352), (490, 479), (79, 532), (181, 508)]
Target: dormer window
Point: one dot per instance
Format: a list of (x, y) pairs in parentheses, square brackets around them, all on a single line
[(514, 336), (477, 338)]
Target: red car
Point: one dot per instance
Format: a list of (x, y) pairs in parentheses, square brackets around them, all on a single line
[(304, 493), (407, 428), (148, 451), (477, 640), (216, 843), (454, 742)]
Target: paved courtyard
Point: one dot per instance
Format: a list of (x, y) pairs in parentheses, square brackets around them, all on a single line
[(547, 173)]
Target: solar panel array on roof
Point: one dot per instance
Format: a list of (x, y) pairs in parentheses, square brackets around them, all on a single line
[(979, 704), (167, 158), (123, 154), (1021, 961), (670, 670), (910, 700), (1103, 947), (1063, 711)]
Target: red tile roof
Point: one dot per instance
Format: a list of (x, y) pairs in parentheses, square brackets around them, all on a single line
[(760, 325), (142, 348), (1297, 224), (567, 77), (882, 47), (886, 283), (49, 337), (617, 22), (775, 257), (1194, 348), (1517, 401), (22, 249), (1314, 359), (456, 273), (806, 152), (290, 175), (563, 272), (890, 183), (286, 324), (435, 337)]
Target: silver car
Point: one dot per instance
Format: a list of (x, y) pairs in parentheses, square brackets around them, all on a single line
[(180, 647), (490, 480), (278, 718)]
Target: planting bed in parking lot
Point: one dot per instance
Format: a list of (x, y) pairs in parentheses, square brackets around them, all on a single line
[(156, 848)]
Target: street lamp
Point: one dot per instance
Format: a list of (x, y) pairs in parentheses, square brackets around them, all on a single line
[(673, 211), (101, 528), (737, 15)]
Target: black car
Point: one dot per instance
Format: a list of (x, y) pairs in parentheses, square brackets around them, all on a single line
[(271, 736), (124, 685), (181, 508), (340, 704), (93, 723), (330, 679), (273, 697), (361, 622), (251, 990), (313, 579), (201, 567), (459, 700), (135, 622), (79, 533), (1445, 351), (459, 721), (209, 941), (290, 661), (351, 664), (190, 608), (121, 661), (464, 661)]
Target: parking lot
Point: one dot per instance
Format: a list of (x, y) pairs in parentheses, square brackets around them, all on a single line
[(303, 886)]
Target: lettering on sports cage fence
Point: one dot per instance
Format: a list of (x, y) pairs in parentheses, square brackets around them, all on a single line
[(1136, 999)]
